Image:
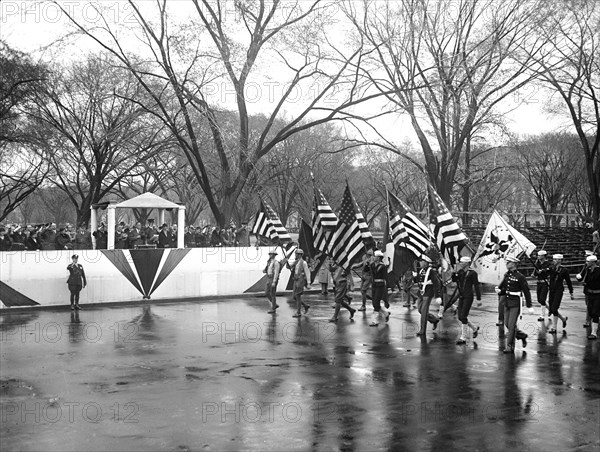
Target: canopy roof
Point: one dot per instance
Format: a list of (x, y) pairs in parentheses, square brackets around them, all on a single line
[(148, 201)]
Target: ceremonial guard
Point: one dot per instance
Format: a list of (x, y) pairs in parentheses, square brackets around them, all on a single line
[(558, 276), (430, 287), (76, 281), (379, 288), (542, 272), (272, 270), (301, 274), (591, 288), (468, 288), (366, 278), (340, 277), (512, 287)]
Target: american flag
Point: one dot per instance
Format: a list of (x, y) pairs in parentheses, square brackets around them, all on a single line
[(346, 243), (366, 235), (406, 229), (447, 233), (268, 225), (324, 222)]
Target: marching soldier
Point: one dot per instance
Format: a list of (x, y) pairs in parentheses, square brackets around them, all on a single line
[(591, 289), (542, 272), (76, 281), (366, 278), (468, 288), (340, 276), (558, 276), (379, 289), (430, 287), (512, 287), (272, 270), (301, 274)]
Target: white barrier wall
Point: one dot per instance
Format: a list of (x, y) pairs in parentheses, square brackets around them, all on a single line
[(124, 275)]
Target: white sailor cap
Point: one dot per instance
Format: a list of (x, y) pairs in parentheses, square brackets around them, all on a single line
[(557, 256), (512, 259), (378, 254), (273, 251), (589, 253), (591, 258), (465, 260), (542, 253)]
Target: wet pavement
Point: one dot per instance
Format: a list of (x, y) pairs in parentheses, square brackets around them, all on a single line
[(225, 375)]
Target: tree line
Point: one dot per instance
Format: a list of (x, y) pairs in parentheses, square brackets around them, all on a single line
[(223, 107)]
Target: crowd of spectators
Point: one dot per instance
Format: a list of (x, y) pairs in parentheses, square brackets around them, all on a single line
[(64, 237)]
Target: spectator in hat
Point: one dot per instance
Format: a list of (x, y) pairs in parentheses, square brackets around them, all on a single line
[(590, 278), (559, 276), (542, 273), (32, 242), (48, 237), (76, 280), (5, 241), (83, 239), (101, 237), (243, 235), (513, 286), (164, 237), (63, 240), (468, 288)]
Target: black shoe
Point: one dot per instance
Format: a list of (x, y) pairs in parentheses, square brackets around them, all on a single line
[(306, 308), (508, 350), (421, 333), (272, 311), (332, 320), (586, 325), (72, 307), (524, 340), (475, 333), (352, 312), (77, 306), (435, 324), (276, 306), (499, 323), (461, 342), (387, 305), (565, 322), (387, 318), (297, 315), (362, 308)]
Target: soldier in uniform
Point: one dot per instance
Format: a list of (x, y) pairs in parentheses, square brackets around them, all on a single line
[(511, 287), (430, 287), (580, 277), (541, 272), (76, 281), (366, 278), (468, 288), (340, 276), (101, 237), (558, 276), (272, 271), (591, 289), (301, 274), (378, 288)]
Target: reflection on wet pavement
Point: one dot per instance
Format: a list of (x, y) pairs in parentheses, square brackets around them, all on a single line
[(226, 375)]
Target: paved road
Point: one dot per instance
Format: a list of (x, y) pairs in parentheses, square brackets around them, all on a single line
[(225, 375)]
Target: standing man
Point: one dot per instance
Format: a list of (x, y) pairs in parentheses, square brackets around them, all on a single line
[(243, 235), (301, 274), (5, 241), (558, 276), (512, 286), (164, 237), (379, 288), (468, 288), (134, 238), (340, 276), (76, 281), (430, 287), (542, 272), (366, 278), (591, 289), (272, 270)]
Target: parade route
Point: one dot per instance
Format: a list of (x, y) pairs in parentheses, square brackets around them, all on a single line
[(225, 375)]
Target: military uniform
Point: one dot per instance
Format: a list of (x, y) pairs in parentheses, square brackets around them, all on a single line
[(591, 289), (512, 287), (558, 276), (301, 275), (468, 288), (379, 289), (76, 282), (272, 271), (340, 278), (542, 272), (430, 287), (366, 281)]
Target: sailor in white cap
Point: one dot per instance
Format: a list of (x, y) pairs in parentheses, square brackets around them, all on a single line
[(430, 287), (467, 284), (580, 276), (272, 271), (542, 272), (378, 288), (301, 275), (512, 287), (591, 289), (558, 276)]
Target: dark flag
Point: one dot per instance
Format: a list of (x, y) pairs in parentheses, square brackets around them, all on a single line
[(448, 235), (268, 225), (398, 258), (405, 228), (314, 258), (324, 222), (346, 245)]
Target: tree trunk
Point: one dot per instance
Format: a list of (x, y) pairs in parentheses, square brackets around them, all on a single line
[(467, 189)]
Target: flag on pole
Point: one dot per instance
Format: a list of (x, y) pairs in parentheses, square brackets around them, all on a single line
[(268, 225), (314, 258), (448, 235), (405, 228), (346, 245), (367, 237), (324, 222), (499, 241), (398, 258)]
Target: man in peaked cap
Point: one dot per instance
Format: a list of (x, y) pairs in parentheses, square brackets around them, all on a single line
[(542, 272), (379, 288), (76, 281), (366, 278), (591, 289), (430, 287), (513, 286), (559, 275), (272, 271), (301, 276), (468, 288)]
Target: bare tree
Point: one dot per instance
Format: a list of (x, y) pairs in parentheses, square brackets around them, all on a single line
[(216, 48), (449, 65), (571, 66)]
